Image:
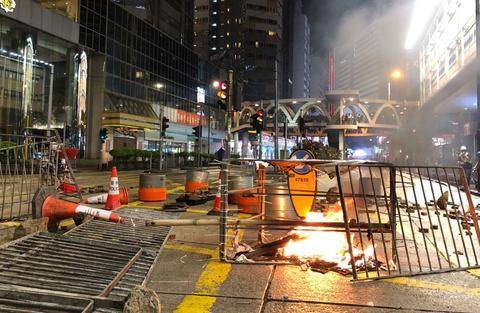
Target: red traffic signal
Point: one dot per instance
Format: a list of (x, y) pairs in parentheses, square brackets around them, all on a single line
[(224, 86), (222, 90)]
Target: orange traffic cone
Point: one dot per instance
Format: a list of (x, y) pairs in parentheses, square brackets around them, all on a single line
[(46, 204), (102, 198), (113, 198), (216, 204)]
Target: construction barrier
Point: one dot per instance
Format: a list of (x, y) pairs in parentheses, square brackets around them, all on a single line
[(113, 198), (238, 182), (196, 181), (46, 204), (152, 187), (102, 198), (248, 203)]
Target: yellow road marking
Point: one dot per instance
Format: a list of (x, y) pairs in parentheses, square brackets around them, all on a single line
[(416, 283), (10, 224), (178, 188), (197, 211), (149, 207), (135, 203), (212, 276), (474, 272), (192, 249), (195, 304)]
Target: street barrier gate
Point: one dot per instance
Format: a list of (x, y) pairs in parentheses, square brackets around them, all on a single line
[(404, 220), (27, 163)]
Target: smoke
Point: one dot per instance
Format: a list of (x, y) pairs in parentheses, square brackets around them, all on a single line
[(394, 15)]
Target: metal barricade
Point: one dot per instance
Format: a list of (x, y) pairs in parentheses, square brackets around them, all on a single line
[(26, 163), (396, 220)]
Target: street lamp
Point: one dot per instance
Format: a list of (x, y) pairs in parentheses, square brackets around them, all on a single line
[(396, 74)]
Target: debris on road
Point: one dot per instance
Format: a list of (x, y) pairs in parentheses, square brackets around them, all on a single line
[(142, 300)]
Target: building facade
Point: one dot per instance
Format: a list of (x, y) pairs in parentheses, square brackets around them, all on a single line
[(81, 66), (173, 17), (39, 54), (365, 57), (448, 66), (301, 64), (138, 72), (243, 35)]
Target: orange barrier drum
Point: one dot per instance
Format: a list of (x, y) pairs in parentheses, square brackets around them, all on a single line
[(152, 187), (248, 203), (238, 182), (196, 181)]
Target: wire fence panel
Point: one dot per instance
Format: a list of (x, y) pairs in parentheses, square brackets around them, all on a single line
[(429, 210), (26, 163)]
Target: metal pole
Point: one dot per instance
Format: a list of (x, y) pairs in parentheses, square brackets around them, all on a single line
[(223, 211), (260, 154), (50, 101), (160, 143), (389, 90), (276, 110), (209, 130), (477, 30), (286, 135), (229, 115)]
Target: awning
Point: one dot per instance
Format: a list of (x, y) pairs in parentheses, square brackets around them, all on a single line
[(124, 112)]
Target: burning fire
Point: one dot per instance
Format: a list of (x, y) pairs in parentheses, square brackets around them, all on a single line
[(327, 246)]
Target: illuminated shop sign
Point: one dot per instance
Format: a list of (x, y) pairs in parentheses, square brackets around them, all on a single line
[(200, 95), (8, 5)]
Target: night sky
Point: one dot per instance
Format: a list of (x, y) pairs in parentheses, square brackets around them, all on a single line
[(325, 17)]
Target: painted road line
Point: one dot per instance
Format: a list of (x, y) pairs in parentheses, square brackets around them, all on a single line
[(475, 272), (193, 249), (416, 283), (209, 282)]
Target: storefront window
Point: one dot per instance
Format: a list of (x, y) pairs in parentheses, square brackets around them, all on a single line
[(36, 73), (68, 8)]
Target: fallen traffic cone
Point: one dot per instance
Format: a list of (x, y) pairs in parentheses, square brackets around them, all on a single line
[(113, 198), (46, 204), (216, 204), (102, 198)]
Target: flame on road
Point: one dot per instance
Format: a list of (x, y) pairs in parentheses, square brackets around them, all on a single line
[(326, 245)]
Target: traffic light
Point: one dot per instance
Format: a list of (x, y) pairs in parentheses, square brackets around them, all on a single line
[(223, 89), (302, 126), (257, 121), (164, 125), (103, 135), (197, 131), (222, 93)]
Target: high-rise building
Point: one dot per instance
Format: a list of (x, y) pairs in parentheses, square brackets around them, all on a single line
[(365, 57), (301, 50), (243, 35), (139, 69), (448, 63), (174, 17), (318, 76)]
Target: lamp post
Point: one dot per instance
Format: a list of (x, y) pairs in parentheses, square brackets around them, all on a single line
[(396, 74)]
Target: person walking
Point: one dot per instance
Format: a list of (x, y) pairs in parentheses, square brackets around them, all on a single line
[(465, 162)]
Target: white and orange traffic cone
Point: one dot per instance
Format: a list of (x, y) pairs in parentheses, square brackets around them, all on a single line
[(57, 210), (216, 204), (113, 198), (102, 198)]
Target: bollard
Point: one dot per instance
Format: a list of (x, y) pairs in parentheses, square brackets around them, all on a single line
[(152, 187), (237, 182), (196, 181)]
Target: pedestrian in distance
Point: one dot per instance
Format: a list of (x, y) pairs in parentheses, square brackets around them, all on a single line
[(465, 162), (220, 154)]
